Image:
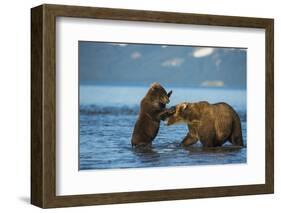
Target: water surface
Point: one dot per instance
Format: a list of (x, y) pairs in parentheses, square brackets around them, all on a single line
[(107, 117)]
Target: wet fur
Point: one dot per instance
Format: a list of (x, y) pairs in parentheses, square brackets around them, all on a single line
[(152, 107), (212, 124)]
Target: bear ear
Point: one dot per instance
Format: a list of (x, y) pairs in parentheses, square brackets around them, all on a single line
[(170, 93), (154, 85), (184, 106)]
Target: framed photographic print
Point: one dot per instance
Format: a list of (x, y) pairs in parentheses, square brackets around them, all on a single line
[(136, 106)]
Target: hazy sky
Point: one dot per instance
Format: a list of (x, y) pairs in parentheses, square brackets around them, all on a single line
[(142, 64)]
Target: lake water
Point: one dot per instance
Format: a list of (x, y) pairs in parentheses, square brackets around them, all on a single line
[(108, 115)]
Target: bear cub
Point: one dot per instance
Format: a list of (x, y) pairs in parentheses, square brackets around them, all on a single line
[(152, 107), (211, 124)]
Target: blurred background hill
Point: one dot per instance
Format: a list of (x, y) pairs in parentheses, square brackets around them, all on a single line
[(141, 64)]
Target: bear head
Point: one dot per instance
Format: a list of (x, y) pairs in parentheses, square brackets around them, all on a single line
[(158, 95), (176, 114), (189, 113)]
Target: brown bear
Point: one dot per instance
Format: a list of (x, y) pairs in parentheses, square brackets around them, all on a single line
[(211, 124), (152, 106)]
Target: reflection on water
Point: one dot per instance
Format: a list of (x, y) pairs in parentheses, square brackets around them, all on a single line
[(107, 120)]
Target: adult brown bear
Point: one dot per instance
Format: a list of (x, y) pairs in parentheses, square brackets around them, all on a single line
[(152, 106), (212, 124)]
